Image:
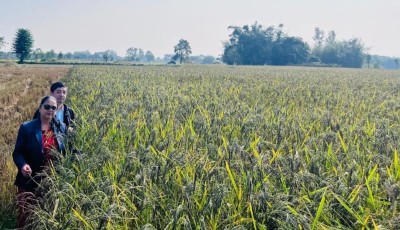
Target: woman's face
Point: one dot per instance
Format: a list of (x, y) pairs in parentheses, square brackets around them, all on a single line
[(48, 109)]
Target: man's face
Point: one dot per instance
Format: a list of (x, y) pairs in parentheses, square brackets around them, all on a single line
[(60, 94)]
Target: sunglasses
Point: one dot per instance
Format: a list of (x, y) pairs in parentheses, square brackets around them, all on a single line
[(48, 107)]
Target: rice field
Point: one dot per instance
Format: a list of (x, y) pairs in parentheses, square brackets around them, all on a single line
[(218, 147)]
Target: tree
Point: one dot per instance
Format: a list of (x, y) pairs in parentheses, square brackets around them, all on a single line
[(368, 59), (182, 51), (351, 53), (331, 39), (290, 50), (231, 55), (251, 45), (38, 54), (60, 55), (50, 54), (134, 54), (208, 60), (256, 45), (68, 55), (396, 61), (319, 36), (330, 52), (2, 42), (141, 56), (345, 53), (23, 43), (109, 55), (149, 56)]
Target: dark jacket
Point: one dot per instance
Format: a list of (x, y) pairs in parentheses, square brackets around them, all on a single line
[(29, 150), (69, 115)]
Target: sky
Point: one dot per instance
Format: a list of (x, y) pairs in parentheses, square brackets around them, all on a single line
[(158, 25)]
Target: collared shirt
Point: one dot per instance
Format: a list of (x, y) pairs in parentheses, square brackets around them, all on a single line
[(60, 115)]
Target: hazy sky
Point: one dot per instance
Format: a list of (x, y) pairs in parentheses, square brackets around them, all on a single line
[(157, 25)]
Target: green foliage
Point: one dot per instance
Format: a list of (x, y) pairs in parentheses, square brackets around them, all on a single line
[(254, 45), (109, 55), (249, 45), (182, 51), (384, 62), (290, 51), (23, 43), (51, 54), (134, 54), (222, 147), (149, 56), (345, 53)]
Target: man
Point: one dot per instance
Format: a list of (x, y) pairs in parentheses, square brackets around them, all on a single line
[(64, 114)]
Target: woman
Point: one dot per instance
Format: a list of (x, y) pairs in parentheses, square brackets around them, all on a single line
[(33, 152)]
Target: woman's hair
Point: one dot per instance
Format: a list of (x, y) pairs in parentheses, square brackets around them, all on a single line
[(46, 98)]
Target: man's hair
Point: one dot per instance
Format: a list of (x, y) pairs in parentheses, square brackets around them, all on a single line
[(56, 85)]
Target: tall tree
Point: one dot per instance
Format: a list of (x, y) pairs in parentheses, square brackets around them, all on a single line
[(141, 55), (134, 54), (330, 52), (368, 59), (255, 45), (109, 55), (149, 56), (345, 53), (319, 36), (23, 43), (331, 39), (182, 51), (290, 51), (351, 53), (231, 55), (251, 45), (1, 42)]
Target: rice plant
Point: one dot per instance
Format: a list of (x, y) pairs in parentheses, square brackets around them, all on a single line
[(216, 147)]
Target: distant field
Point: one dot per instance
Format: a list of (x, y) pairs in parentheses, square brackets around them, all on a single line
[(21, 88), (218, 147)]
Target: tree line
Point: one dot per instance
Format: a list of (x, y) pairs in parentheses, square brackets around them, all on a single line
[(256, 45), (247, 45), (22, 48)]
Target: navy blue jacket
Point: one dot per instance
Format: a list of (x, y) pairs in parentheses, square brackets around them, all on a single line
[(29, 150)]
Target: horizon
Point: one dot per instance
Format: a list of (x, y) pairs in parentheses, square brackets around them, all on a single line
[(157, 25)]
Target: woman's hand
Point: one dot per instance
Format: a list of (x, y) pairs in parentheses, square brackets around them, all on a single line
[(26, 170)]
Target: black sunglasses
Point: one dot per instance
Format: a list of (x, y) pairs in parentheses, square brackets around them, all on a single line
[(48, 107)]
